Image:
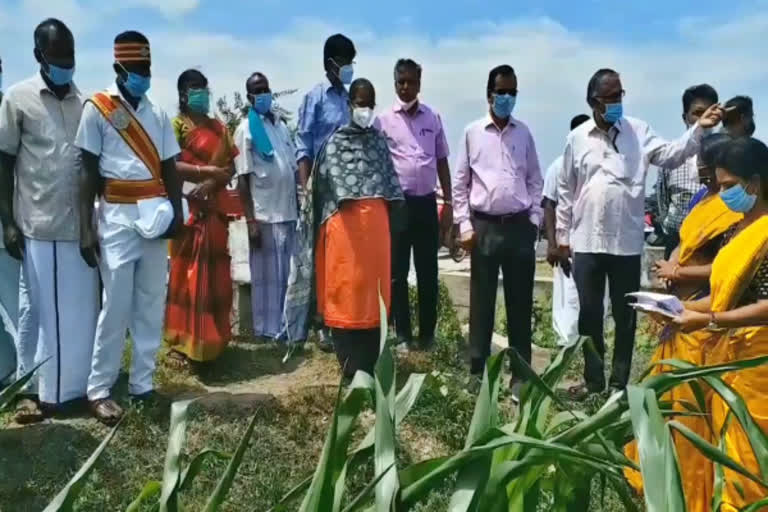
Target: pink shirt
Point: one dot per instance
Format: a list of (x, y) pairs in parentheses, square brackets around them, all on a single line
[(416, 143), (497, 172)]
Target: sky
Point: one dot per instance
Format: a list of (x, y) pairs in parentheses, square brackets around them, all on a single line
[(659, 47)]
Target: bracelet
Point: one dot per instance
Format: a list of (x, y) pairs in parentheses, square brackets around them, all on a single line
[(675, 273)]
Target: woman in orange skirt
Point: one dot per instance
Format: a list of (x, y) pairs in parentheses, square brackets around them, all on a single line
[(200, 287), (344, 238)]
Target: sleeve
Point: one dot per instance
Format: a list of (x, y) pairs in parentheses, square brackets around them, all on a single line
[(305, 140), (243, 163), (670, 155), (566, 190), (90, 133), (170, 145), (550, 181), (534, 182), (461, 184), (10, 125), (441, 144)]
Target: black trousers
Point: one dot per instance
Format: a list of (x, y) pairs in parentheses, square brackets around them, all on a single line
[(422, 234), (356, 349), (623, 273), (509, 247)]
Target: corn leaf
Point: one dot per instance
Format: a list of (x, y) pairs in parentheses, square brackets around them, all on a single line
[(472, 478), (384, 448), (150, 490), (9, 393), (357, 502), (225, 482), (662, 487), (65, 500), (194, 467), (169, 497), (758, 439)]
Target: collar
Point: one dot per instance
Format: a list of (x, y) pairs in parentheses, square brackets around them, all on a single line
[(114, 90), (73, 90), (328, 86), (489, 121), (592, 126), (397, 107)]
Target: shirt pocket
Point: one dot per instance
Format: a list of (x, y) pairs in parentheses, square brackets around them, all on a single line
[(616, 165)]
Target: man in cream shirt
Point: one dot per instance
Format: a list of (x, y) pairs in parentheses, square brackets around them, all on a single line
[(130, 251), (600, 216)]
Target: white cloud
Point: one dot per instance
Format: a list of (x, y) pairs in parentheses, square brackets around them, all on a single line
[(553, 66)]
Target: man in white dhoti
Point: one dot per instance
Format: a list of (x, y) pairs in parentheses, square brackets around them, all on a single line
[(565, 296), (129, 147), (38, 122)]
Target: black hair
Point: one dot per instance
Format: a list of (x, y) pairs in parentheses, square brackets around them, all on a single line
[(579, 120), (131, 36), (503, 70), (182, 84), (746, 157), (595, 81), (338, 45), (361, 83), (255, 74), (46, 29), (711, 146), (699, 92), (744, 107), (411, 64)]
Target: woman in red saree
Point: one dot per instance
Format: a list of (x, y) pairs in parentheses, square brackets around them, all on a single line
[(200, 287)]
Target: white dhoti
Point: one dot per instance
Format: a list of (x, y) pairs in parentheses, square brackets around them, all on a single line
[(64, 302), (9, 314), (134, 274), (565, 307)]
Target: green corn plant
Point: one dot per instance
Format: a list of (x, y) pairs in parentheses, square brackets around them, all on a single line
[(9, 394), (65, 500)]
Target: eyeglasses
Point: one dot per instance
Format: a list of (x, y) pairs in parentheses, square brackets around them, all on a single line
[(613, 98)]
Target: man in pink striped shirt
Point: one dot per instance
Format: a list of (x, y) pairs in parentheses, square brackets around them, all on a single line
[(416, 140), (497, 193)]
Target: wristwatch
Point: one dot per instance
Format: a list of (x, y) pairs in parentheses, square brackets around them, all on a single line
[(712, 326)]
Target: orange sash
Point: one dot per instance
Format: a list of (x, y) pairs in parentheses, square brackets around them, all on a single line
[(130, 129)]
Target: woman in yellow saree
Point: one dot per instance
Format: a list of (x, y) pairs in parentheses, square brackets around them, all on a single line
[(687, 274), (736, 312)]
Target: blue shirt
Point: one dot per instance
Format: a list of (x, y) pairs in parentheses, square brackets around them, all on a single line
[(324, 109)]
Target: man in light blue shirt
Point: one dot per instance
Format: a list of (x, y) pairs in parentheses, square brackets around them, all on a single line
[(325, 107)]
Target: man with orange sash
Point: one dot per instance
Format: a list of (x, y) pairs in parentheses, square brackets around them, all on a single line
[(129, 149), (39, 171)]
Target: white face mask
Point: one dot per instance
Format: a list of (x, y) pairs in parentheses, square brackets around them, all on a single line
[(409, 105), (362, 116)]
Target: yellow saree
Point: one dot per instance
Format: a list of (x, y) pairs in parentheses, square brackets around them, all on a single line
[(733, 270), (707, 221)]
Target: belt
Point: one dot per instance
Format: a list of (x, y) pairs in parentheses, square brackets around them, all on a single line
[(507, 218), (129, 192)]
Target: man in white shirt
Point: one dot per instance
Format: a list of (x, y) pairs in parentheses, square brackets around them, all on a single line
[(600, 216), (565, 297), (267, 169), (39, 211), (129, 147)]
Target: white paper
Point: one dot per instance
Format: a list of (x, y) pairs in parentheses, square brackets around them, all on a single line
[(661, 303)]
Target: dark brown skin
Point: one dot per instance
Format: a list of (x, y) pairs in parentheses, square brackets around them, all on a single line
[(407, 88), (91, 178), (60, 52)]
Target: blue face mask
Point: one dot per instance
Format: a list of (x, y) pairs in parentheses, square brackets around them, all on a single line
[(199, 100), (136, 84), (613, 112), (262, 103), (737, 199), (57, 75), (503, 104), (346, 73)]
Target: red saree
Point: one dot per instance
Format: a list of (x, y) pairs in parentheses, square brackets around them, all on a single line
[(200, 286)]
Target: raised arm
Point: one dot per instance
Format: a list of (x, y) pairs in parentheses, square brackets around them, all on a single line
[(671, 155)]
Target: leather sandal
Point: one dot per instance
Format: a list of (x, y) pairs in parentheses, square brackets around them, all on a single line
[(28, 411), (106, 411)]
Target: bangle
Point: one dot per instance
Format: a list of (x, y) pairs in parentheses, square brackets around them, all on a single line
[(675, 273)]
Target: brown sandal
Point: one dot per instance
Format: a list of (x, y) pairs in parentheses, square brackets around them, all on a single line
[(28, 411), (177, 360), (106, 411)]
